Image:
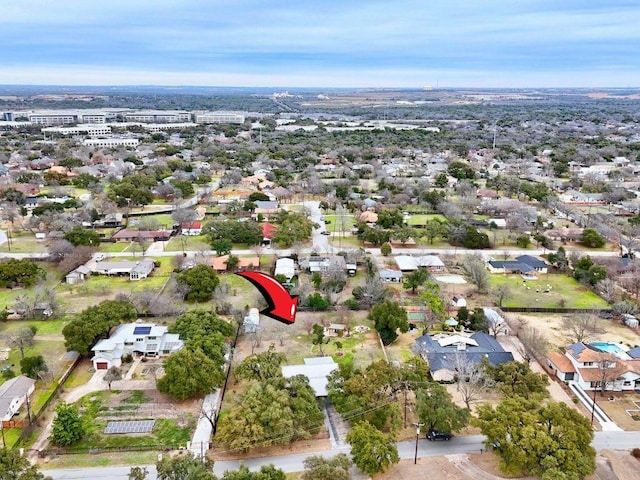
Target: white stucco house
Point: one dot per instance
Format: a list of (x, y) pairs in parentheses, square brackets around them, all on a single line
[(142, 339)]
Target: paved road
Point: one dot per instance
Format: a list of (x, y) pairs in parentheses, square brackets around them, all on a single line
[(293, 463)]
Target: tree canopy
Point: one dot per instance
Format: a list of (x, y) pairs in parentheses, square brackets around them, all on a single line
[(540, 440), (197, 284), (16, 466), (437, 410), (23, 272), (371, 450), (67, 428), (190, 374), (318, 467), (81, 333), (389, 317)]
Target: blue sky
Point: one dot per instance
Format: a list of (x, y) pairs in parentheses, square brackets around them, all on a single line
[(312, 43)]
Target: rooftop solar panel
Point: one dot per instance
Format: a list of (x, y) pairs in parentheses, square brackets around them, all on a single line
[(142, 330)]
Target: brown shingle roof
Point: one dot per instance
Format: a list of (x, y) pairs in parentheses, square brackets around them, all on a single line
[(561, 362)]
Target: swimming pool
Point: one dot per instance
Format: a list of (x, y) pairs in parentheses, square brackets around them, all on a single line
[(611, 348)]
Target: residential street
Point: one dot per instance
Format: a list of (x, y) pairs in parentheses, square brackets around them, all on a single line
[(293, 463)]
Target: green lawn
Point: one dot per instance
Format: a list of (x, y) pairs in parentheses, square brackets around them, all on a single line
[(181, 242), (116, 247), (565, 292), (24, 242), (421, 219), (336, 223)]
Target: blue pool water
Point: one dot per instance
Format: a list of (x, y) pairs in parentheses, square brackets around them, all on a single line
[(610, 347)]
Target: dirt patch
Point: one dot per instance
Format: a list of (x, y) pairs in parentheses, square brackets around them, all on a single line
[(303, 446), (624, 466), (621, 407)]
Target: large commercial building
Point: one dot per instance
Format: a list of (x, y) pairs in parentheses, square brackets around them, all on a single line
[(82, 129), (66, 117), (157, 116), (111, 142), (220, 117)]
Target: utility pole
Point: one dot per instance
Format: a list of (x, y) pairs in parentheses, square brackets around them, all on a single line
[(418, 425)]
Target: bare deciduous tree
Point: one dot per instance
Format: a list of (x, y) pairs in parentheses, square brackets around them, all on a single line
[(501, 293), (472, 379), (476, 271), (533, 344), (607, 288), (581, 327), (21, 339), (112, 375)]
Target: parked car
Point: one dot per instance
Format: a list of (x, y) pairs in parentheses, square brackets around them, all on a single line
[(436, 435)]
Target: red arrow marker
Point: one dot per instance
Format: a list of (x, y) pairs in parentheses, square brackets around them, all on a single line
[(282, 306)]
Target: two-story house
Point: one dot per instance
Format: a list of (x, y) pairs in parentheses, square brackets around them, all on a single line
[(142, 339), (589, 365)]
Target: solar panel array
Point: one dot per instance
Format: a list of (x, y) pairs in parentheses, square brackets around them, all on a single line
[(142, 330), (138, 426)]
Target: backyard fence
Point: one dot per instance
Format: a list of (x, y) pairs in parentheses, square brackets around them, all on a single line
[(596, 311)]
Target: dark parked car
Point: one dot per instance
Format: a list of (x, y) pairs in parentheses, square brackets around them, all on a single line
[(435, 435)]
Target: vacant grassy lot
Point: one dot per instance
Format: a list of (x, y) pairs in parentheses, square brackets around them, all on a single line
[(565, 292), (24, 242), (181, 243), (339, 224)]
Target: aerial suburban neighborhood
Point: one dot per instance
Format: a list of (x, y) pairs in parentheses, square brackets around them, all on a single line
[(465, 266)]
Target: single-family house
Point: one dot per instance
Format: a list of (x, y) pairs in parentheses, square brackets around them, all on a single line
[(13, 394), (326, 264), (444, 352), (265, 208), (409, 263), (135, 270), (316, 369), (191, 228), (142, 339), (584, 365), (524, 265), (111, 220), (388, 275)]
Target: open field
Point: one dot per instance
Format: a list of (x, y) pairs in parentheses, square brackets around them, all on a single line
[(565, 292)]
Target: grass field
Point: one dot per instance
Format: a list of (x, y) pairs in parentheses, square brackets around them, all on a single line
[(565, 292), (421, 219), (344, 224), (181, 243)]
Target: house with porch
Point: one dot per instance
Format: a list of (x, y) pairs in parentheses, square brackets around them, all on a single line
[(141, 339), (137, 270)]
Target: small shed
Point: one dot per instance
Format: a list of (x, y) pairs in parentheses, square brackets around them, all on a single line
[(630, 321), (78, 275), (251, 321)]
